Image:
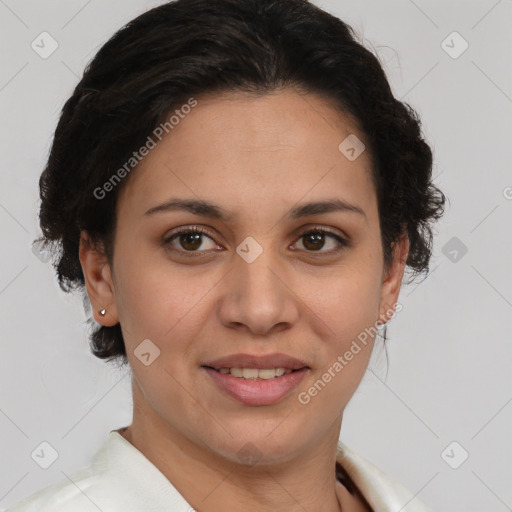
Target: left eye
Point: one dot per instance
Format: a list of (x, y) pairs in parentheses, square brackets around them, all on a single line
[(191, 240), (316, 238)]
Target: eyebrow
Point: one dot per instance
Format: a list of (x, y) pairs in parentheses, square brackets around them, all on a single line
[(207, 209)]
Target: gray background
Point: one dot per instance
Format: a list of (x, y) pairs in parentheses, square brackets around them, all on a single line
[(449, 351)]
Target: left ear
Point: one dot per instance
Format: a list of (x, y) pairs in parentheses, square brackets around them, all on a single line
[(392, 279)]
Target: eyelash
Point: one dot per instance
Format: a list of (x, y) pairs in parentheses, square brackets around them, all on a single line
[(342, 242)]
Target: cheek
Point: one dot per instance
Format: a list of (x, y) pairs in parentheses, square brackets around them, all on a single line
[(142, 296), (160, 301), (346, 317), (348, 301)]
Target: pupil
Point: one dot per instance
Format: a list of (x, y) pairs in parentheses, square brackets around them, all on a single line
[(189, 240), (316, 238)]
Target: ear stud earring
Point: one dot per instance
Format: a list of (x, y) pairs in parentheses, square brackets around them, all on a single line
[(102, 312)]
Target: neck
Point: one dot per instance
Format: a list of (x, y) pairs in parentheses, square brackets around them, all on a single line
[(211, 483)]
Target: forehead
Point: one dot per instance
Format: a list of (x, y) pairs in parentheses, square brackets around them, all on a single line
[(239, 147)]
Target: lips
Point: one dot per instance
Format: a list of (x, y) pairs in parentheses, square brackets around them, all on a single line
[(256, 391), (275, 360)]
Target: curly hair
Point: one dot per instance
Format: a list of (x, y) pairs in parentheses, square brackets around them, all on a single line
[(187, 48)]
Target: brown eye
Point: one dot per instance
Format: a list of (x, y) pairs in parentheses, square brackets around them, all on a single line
[(189, 240), (315, 241)]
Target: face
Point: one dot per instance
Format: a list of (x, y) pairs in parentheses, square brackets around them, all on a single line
[(260, 281)]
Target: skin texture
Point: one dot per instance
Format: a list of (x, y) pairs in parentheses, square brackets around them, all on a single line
[(257, 156)]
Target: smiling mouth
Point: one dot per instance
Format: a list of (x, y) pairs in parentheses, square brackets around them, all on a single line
[(256, 386), (255, 373)]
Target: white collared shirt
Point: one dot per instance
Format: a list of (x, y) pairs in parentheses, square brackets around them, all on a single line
[(121, 479)]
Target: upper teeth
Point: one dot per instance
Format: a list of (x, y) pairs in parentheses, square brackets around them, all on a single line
[(255, 373)]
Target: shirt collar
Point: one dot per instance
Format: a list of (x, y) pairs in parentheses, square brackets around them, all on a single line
[(134, 479), (382, 492), (132, 476)]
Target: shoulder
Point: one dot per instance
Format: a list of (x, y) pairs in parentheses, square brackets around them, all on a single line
[(61, 496), (86, 487), (118, 479), (382, 492)]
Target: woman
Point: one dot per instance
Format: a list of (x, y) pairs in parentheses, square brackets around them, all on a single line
[(239, 193)]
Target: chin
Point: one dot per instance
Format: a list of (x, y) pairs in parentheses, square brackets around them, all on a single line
[(256, 448)]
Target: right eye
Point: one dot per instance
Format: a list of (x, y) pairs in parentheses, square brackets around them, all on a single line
[(189, 238)]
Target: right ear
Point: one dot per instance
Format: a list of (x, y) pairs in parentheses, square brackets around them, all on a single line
[(98, 281)]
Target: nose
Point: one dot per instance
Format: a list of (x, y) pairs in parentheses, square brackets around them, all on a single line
[(258, 295)]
